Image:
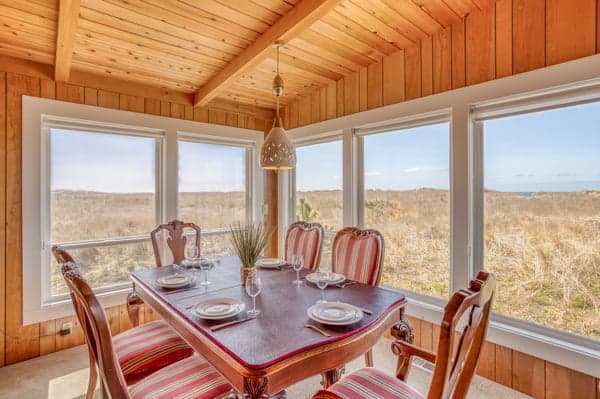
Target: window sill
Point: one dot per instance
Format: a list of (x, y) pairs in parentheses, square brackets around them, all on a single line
[(540, 342), (64, 307)]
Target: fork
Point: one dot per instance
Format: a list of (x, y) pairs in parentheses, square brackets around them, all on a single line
[(344, 285)]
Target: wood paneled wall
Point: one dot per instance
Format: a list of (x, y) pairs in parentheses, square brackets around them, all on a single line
[(510, 37), (18, 78), (517, 370)]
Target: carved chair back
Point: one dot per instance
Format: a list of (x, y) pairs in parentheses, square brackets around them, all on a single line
[(176, 240), (305, 239), (458, 352), (96, 329), (358, 254)]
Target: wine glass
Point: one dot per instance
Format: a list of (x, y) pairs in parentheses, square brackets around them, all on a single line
[(206, 265), (253, 287), (297, 264), (322, 281)]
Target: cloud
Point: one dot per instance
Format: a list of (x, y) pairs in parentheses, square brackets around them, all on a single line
[(424, 170), (373, 173)]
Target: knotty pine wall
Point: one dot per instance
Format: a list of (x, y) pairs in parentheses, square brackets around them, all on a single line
[(19, 78), (535, 377), (511, 37)]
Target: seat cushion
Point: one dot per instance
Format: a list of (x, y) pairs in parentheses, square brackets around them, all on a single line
[(371, 383), (147, 348), (191, 378)]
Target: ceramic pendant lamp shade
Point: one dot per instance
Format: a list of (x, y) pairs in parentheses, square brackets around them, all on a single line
[(278, 152)]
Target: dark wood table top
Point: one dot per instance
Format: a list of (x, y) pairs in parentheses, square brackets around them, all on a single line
[(279, 332)]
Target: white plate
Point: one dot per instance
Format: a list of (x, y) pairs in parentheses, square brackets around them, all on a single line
[(218, 308), (334, 278), (335, 313), (176, 280), (270, 263)]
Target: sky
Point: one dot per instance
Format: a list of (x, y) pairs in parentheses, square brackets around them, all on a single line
[(556, 150), (124, 164)]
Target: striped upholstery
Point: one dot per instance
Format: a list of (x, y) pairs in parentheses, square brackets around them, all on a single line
[(147, 348), (358, 254), (305, 239), (191, 378), (370, 383)]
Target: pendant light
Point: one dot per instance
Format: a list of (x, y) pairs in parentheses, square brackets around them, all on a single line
[(278, 152)]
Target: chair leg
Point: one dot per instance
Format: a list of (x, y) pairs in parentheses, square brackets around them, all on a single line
[(93, 377), (369, 358), (134, 303)]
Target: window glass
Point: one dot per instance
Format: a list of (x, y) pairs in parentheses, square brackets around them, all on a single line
[(102, 186), (542, 216), (406, 182), (212, 191), (319, 198)]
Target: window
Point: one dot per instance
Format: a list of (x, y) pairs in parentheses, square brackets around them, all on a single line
[(97, 181), (406, 195), (541, 207), (319, 172), (213, 191), (103, 202)]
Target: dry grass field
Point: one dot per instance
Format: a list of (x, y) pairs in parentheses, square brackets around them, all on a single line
[(544, 247)]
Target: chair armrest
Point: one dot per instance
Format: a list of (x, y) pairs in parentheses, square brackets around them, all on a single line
[(405, 352), (406, 349)]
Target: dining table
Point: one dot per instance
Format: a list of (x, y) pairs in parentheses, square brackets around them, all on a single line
[(262, 356)]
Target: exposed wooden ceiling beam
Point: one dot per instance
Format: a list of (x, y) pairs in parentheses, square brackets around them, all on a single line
[(290, 25), (68, 17)]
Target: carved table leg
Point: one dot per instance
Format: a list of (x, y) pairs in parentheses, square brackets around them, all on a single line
[(332, 376), (258, 388), (403, 330)]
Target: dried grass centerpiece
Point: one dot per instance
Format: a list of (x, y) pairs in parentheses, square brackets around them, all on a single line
[(249, 241)]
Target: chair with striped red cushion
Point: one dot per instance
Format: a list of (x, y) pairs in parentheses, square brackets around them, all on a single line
[(190, 378), (141, 350), (305, 239), (170, 239), (455, 361), (358, 255)]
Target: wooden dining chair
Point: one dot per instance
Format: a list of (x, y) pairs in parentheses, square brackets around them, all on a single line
[(140, 351), (305, 239), (171, 235), (468, 312), (192, 377), (175, 240), (358, 255)]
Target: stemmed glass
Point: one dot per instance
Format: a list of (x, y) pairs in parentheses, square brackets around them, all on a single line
[(322, 281), (206, 265), (253, 287), (297, 265)]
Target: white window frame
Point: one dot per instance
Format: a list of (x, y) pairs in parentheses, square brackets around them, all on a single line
[(433, 118), (35, 207), (250, 154), (52, 122), (561, 348), (555, 98)]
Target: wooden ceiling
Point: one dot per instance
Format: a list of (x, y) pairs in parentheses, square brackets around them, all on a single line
[(196, 45)]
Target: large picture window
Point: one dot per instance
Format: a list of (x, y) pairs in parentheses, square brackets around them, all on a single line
[(406, 182), (541, 179), (213, 191), (103, 202), (319, 197)]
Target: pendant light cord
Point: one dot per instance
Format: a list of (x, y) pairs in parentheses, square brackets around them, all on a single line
[(277, 93)]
